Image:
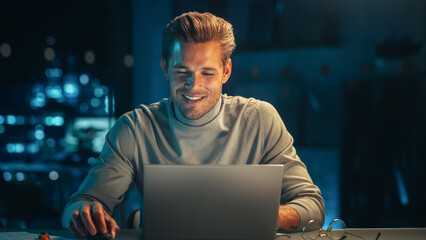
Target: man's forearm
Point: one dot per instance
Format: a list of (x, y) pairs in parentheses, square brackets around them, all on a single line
[(288, 218)]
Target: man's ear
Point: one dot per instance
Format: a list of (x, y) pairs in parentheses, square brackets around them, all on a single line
[(163, 66), (227, 71)]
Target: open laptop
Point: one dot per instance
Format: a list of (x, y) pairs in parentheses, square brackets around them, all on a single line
[(211, 201)]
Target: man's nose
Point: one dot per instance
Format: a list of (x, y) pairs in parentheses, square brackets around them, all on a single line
[(194, 81)]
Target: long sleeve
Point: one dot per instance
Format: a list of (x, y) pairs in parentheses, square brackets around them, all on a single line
[(237, 131), (298, 190), (111, 174)]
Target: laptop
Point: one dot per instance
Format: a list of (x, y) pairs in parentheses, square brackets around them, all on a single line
[(211, 201)]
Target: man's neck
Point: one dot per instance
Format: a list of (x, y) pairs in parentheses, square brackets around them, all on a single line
[(208, 117)]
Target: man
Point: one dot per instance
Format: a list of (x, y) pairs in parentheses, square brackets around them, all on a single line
[(197, 125)]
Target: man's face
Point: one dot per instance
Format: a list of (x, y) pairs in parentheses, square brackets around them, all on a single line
[(196, 74)]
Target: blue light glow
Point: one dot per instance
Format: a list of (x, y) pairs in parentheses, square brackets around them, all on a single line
[(37, 88), (19, 148), (313, 100), (95, 102), (15, 148), (95, 82), (54, 73), (11, 119), (58, 121), (84, 79), (50, 41), (54, 121), (38, 101), (2, 129), (71, 90), (62, 142), (20, 120), (107, 104), (48, 121), (99, 92), (33, 103), (176, 47), (84, 107), (379, 62), (33, 148), (1, 119), (91, 160), (51, 142), (53, 175), (7, 176), (54, 92), (402, 189), (39, 134), (10, 148), (39, 127), (20, 176)]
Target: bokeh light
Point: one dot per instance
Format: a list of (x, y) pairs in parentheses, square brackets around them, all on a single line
[(89, 57), (53, 175), (128, 60), (20, 176), (7, 176), (49, 54), (71, 90), (50, 41), (5, 50), (11, 119), (95, 102), (84, 79)]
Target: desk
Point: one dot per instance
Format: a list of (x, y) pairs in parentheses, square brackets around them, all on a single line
[(367, 233), (371, 234)]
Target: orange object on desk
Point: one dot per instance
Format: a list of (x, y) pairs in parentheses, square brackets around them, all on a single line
[(43, 236)]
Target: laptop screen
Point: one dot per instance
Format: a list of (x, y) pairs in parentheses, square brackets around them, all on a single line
[(211, 201)]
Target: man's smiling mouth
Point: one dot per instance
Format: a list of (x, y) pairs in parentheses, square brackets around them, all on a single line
[(192, 98)]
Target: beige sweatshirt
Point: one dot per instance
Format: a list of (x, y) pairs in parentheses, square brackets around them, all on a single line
[(236, 130)]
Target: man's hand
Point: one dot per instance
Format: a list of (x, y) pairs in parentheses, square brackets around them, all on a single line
[(91, 218), (288, 218)]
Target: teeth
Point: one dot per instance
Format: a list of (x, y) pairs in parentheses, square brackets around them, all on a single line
[(192, 98)]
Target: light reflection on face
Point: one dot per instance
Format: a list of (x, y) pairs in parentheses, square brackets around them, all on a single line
[(196, 74)]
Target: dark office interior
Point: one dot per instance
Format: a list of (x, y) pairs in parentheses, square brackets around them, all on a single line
[(347, 77)]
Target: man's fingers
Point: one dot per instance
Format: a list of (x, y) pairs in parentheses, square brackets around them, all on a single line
[(112, 226), (86, 217), (77, 224), (99, 216), (75, 231), (91, 219)]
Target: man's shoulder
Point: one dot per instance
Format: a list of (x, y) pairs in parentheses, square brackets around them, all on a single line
[(153, 110), (249, 105)]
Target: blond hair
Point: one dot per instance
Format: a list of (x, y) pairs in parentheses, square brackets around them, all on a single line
[(194, 27)]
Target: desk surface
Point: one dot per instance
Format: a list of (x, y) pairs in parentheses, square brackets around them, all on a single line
[(367, 233)]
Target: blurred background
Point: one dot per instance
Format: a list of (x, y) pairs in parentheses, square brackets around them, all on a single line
[(348, 78)]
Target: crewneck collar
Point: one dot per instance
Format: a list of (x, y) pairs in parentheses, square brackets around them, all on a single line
[(206, 118)]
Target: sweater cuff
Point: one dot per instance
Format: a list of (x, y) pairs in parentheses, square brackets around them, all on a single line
[(303, 213)]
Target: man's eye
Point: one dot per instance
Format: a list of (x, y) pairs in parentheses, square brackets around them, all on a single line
[(182, 73), (208, 74)]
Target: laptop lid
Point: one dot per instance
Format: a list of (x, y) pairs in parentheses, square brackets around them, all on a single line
[(211, 201)]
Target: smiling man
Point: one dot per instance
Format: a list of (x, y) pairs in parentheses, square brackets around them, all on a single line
[(196, 125), (196, 75)]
